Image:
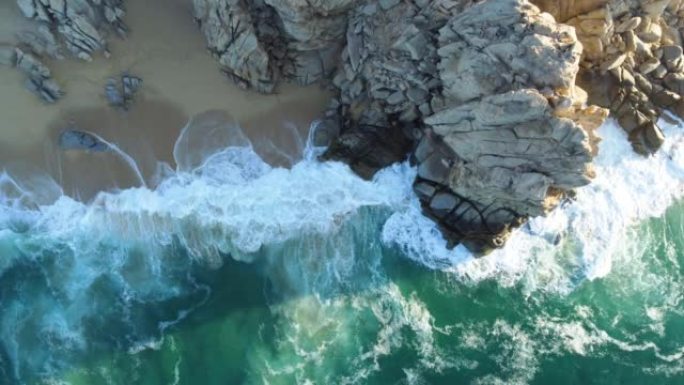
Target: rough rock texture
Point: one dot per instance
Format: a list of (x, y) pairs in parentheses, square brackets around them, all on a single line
[(367, 149), (633, 61), (512, 137), (81, 25), (120, 90), (389, 75), (495, 161), (231, 35), (313, 31), (258, 41), (38, 77), (487, 91)]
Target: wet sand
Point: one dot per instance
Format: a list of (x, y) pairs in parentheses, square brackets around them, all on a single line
[(167, 50)]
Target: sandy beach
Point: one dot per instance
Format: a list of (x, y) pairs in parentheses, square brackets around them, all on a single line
[(181, 79)]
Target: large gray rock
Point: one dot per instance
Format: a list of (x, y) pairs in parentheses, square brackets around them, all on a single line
[(229, 28), (390, 61), (498, 46), (488, 93), (506, 157), (313, 31), (511, 137), (258, 41), (388, 78), (81, 24)]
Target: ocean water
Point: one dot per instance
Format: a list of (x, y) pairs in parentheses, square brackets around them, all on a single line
[(226, 270)]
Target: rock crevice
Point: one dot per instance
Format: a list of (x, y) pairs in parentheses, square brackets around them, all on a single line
[(632, 62)]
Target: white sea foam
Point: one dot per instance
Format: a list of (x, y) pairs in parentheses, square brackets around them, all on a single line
[(593, 230), (222, 199), (225, 199)]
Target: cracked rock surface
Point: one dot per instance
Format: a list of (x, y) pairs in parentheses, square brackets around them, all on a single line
[(389, 76), (80, 25), (229, 28), (258, 41), (633, 61), (486, 93), (38, 77), (77, 26), (506, 141)]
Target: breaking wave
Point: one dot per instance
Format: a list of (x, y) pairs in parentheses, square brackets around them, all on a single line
[(580, 240), (79, 277)]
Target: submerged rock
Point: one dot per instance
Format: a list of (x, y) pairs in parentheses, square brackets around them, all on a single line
[(81, 140), (120, 91), (80, 26)]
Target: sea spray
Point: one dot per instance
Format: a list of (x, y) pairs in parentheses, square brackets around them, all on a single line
[(577, 241), (84, 265), (118, 273)]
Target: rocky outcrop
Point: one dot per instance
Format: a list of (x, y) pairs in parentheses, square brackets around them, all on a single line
[(480, 95), (81, 25), (231, 34), (38, 77), (491, 163), (486, 93), (390, 55), (633, 61), (258, 41), (511, 137), (388, 76), (313, 31)]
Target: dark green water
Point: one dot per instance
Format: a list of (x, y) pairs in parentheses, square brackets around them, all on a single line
[(386, 320), (239, 276)]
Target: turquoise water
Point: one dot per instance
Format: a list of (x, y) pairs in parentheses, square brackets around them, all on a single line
[(233, 272)]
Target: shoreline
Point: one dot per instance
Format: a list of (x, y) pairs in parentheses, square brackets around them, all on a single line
[(180, 79)]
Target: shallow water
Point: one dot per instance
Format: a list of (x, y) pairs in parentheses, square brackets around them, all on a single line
[(231, 270), (245, 261), (180, 79)]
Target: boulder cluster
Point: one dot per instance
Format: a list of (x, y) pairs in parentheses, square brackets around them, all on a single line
[(78, 27), (632, 61), (486, 97), (38, 76)]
